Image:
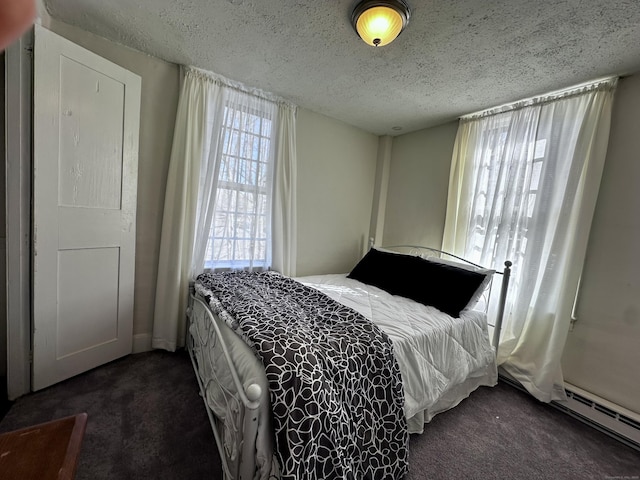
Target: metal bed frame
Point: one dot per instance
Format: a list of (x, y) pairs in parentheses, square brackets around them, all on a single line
[(251, 398), (238, 460)]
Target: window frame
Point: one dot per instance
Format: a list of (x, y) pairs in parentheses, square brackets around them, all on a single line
[(238, 160)]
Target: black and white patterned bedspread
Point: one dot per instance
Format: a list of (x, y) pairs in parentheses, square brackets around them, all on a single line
[(336, 389)]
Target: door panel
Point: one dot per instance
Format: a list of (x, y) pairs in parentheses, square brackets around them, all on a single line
[(90, 162), (86, 120), (88, 282)]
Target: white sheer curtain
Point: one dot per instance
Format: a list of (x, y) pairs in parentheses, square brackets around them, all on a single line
[(284, 239), (231, 176), (523, 187), (234, 217)]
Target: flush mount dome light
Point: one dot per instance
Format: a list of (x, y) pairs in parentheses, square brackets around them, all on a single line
[(379, 22)]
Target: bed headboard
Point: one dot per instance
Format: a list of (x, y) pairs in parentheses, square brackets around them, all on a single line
[(426, 252)]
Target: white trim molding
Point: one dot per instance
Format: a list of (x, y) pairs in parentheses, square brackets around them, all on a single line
[(142, 343), (18, 106)]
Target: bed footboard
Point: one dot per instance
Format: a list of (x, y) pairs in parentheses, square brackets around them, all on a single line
[(237, 452)]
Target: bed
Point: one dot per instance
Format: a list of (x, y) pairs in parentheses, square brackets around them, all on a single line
[(412, 350)]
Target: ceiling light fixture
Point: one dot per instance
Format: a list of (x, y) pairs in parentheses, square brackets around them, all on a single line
[(379, 22)]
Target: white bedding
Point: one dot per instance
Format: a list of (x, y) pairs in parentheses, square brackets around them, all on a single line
[(442, 359)]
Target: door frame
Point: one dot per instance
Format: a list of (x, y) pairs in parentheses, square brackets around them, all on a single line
[(18, 116)]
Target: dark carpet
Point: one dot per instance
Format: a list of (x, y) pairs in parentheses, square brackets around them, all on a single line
[(147, 421)]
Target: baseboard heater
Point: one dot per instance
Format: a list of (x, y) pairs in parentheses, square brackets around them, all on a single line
[(609, 418)]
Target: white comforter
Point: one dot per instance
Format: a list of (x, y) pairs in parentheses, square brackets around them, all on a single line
[(442, 359)]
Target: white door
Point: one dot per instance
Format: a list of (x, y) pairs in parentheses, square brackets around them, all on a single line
[(86, 119)]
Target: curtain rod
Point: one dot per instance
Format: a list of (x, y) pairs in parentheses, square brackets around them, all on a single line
[(234, 85), (607, 83)]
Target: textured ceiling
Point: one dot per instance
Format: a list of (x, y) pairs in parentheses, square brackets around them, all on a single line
[(455, 57)]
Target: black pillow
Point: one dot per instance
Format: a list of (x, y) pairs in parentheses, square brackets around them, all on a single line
[(376, 268), (444, 287)]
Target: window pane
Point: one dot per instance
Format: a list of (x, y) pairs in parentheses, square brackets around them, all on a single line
[(535, 175), (262, 226), (255, 147), (234, 144), (240, 226), (531, 203), (265, 149), (225, 200), (245, 146), (541, 147), (266, 128)]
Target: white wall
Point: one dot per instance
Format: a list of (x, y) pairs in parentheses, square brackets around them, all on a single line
[(418, 184), (336, 175), (160, 90), (602, 353)]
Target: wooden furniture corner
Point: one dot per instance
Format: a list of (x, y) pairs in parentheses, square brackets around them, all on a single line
[(45, 451)]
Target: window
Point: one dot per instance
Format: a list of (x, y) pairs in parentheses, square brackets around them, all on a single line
[(506, 188), (523, 188), (222, 192), (240, 234)]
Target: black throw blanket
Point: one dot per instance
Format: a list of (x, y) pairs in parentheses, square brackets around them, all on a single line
[(336, 390)]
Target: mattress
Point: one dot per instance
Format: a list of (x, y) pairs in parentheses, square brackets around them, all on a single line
[(442, 359)]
